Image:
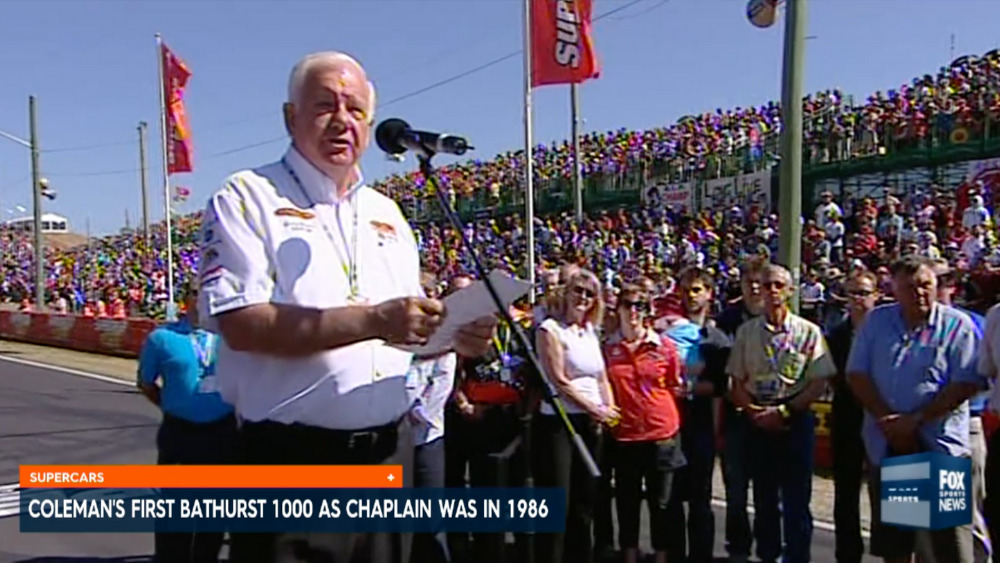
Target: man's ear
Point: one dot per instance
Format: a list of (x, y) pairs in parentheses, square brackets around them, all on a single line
[(288, 111)]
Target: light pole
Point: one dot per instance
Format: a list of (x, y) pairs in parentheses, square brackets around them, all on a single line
[(790, 185), (38, 184)]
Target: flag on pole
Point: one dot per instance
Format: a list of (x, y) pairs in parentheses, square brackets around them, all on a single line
[(180, 150), (562, 42)]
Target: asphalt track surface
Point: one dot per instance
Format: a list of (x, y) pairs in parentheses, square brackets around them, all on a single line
[(49, 416)]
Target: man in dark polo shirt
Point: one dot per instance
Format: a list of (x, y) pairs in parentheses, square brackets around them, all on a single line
[(735, 457), (848, 449)]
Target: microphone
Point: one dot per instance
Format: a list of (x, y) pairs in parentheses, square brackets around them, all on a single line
[(394, 136)]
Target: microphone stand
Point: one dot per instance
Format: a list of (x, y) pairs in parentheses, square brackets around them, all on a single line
[(430, 176)]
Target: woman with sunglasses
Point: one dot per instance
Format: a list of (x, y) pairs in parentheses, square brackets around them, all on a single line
[(570, 353), (644, 369)]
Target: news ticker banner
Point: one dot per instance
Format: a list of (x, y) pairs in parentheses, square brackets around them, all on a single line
[(927, 491), (333, 499)]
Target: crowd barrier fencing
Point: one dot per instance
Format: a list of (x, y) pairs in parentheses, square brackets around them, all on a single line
[(124, 338)]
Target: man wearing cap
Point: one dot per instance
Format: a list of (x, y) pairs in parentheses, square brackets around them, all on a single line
[(313, 280)]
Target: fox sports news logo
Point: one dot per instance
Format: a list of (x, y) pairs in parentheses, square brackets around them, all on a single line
[(953, 496)]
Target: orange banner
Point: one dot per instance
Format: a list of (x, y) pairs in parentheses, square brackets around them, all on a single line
[(211, 476), (180, 150), (562, 43)]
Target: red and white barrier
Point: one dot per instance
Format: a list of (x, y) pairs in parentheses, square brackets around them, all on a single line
[(124, 338), (113, 337)]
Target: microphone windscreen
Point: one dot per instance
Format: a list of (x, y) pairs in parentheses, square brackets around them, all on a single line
[(388, 133)]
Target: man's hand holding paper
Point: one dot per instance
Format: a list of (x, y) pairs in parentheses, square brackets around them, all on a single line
[(469, 320)]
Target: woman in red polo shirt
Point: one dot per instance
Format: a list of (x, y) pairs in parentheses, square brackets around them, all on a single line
[(645, 373)]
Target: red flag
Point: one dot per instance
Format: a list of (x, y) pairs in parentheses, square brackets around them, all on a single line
[(562, 42), (179, 147)]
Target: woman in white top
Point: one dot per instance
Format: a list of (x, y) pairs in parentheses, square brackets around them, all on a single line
[(570, 352)]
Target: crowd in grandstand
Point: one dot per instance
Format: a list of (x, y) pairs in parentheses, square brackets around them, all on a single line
[(667, 276), (120, 275)]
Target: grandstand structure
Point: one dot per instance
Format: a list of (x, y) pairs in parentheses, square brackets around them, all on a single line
[(51, 224), (924, 132)]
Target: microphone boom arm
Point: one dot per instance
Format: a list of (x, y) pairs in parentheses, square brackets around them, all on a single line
[(430, 176)]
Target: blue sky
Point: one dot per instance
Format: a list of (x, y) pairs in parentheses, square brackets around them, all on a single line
[(92, 66)]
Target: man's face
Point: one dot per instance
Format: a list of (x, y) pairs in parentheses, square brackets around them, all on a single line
[(752, 290), (945, 284), (191, 305), (861, 294), (776, 290), (695, 296), (916, 293), (331, 122)]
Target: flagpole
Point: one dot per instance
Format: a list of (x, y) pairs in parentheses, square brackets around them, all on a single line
[(574, 96), (171, 306), (527, 551), (529, 159)]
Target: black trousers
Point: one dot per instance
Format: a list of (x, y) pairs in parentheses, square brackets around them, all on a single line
[(487, 451), (272, 443), (692, 534), (848, 470), (604, 525), (652, 463), (180, 442), (558, 465)]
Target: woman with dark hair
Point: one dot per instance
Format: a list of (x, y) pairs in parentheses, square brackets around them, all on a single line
[(644, 370)]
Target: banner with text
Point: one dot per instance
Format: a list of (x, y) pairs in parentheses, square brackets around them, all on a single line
[(292, 510), (670, 196), (745, 190)]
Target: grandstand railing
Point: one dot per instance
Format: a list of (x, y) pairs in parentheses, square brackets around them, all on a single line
[(831, 151)]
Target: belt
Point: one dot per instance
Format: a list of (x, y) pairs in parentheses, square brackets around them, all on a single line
[(363, 439)]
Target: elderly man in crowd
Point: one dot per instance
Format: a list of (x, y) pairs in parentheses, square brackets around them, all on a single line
[(779, 366), (913, 369), (313, 279)]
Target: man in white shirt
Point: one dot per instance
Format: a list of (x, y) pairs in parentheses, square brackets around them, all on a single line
[(312, 278)]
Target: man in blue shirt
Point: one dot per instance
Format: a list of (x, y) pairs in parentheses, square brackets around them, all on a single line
[(177, 374), (912, 367), (947, 287)]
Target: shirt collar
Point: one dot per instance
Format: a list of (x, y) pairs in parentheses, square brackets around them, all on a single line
[(319, 187), (932, 318), (650, 337), (786, 326)]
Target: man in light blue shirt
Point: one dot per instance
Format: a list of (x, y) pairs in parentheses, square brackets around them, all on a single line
[(177, 374), (913, 368)]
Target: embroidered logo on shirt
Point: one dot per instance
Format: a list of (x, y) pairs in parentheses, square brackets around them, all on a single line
[(385, 231), (210, 255), (290, 212)]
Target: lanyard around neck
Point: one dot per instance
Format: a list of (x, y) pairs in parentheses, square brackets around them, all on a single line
[(349, 264), (204, 345)]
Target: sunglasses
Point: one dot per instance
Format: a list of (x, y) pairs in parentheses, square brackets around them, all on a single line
[(584, 291), (861, 293), (637, 305), (773, 285)]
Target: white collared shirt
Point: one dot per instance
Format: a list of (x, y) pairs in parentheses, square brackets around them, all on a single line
[(264, 241)]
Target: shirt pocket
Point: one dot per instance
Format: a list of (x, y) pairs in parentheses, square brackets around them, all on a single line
[(929, 369)]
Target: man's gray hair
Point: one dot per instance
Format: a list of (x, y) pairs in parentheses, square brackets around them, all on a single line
[(779, 270), (325, 59)]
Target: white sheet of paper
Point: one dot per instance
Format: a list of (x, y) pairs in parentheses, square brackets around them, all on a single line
[(466, 305)]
